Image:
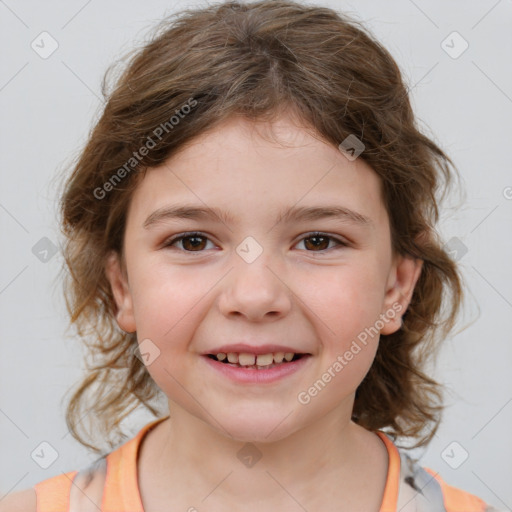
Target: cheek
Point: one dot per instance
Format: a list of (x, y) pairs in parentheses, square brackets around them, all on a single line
[(346, 303), (346, 308), (167, 302), (169, 305), (346, 299)]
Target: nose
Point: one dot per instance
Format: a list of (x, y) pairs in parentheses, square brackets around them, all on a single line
[(255, 291)]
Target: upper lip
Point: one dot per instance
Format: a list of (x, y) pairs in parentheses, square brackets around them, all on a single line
[(242, 348)]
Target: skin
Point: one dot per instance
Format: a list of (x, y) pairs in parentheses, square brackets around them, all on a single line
[(315, 299)]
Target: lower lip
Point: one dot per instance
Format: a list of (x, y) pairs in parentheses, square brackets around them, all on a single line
[(274, 374)]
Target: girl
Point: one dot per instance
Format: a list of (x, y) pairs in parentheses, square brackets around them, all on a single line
[(251, 236)]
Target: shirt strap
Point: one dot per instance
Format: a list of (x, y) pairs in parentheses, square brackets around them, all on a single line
[(52, 494)]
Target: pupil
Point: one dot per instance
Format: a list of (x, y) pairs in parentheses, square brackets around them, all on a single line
[(316, 245), (194, 245)]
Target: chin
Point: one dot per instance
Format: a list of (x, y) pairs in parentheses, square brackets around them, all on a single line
[(257, 428)]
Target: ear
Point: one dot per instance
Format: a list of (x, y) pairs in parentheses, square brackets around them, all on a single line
[(121, 290), (399, 290)]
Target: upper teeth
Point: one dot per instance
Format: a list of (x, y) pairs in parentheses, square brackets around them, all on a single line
[(245, 359)]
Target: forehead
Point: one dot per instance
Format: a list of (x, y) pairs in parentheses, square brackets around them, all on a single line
[(257, 169)]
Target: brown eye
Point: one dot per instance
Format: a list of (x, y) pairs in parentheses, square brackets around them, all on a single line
[(193, 242), (197, 242), (319, 242)]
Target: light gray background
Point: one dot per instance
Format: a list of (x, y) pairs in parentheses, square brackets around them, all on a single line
[(48, 106)]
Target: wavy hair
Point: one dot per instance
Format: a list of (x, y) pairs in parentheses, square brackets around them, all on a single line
[(256, 60)]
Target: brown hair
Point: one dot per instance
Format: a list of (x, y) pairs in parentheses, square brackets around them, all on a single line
[(256, 60)]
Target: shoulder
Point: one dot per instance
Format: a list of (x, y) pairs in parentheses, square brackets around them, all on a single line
[(457, 499), (87, 490), (80, 491), (424, 488), (20, 501)]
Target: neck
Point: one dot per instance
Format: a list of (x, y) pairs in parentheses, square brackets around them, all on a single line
[(331, 451)]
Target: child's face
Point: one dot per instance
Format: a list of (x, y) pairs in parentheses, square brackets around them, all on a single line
[(309, 294)]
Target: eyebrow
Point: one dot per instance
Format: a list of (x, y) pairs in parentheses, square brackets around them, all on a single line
[(302, 213)]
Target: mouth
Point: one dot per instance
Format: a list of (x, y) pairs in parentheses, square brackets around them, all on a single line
[(256, 362)]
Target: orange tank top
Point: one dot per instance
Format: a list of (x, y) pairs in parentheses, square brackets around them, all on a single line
[(121, 489)]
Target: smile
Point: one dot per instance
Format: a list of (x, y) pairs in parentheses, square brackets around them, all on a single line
[(261, 368), (255, 362)]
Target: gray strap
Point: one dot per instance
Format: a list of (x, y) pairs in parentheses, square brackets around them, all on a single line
[(418, 490)]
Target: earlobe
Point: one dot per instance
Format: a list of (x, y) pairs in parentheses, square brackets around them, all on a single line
[(400, 290), (121, 292)]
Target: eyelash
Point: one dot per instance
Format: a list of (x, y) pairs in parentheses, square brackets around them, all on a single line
[(173, 240)]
